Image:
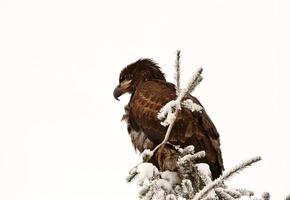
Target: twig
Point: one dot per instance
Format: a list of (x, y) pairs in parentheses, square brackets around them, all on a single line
[(177, 72), (226, 175), (195, 80)]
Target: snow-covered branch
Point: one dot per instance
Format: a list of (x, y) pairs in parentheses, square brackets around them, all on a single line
[(192, 180), (225, 176), (194, 81), (177, 72)]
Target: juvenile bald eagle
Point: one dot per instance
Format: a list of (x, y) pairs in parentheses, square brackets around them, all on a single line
[(149, 93)]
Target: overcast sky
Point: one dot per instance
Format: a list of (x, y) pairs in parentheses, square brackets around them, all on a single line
[(60, 130)]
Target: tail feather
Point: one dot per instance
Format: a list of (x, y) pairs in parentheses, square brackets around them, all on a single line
[(216, 170)]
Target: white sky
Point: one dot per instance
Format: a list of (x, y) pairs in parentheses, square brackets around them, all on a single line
[(60, 130)]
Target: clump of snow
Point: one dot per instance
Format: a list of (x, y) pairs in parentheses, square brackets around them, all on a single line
[(188, 103), (204, 173), (171, 177), (164, 184), (146, 171), (166, 114), (185, 159), (191, 157), (147, 154), (203, 168), (187, 150), (169, 119)]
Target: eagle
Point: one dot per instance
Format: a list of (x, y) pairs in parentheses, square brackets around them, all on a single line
[(150, 91)]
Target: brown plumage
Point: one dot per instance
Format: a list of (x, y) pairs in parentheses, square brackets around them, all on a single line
[(150, 92)]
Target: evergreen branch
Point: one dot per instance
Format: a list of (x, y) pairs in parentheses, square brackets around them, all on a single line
[(245, 192), (191, 158), (132, 174), (223, 195), (195, 81), (225, 176), (233, 193), (177, 72)]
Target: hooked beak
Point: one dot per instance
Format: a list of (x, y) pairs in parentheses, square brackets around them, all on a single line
[(121, 89)]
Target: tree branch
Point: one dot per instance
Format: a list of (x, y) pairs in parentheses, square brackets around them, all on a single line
[(225, 176), (177, 72)]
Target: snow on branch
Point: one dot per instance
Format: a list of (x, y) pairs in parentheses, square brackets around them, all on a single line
[(225, 176), (189, 158), (167, 112), (188, 103), (223, 195), (177, 72), (194, 81), (191, 180)]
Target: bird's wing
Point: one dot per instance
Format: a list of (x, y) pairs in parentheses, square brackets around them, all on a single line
[(207, 138)]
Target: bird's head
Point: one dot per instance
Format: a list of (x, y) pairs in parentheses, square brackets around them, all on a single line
[(136, 73)]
